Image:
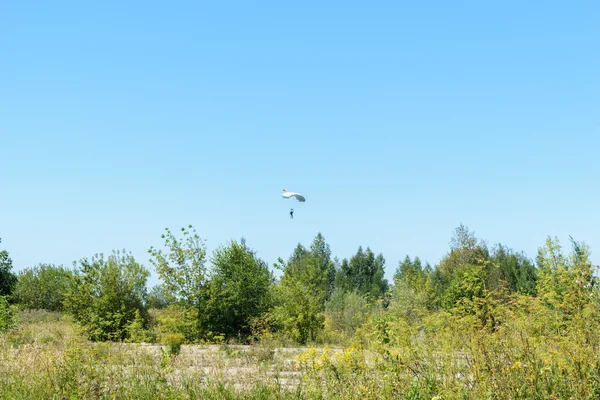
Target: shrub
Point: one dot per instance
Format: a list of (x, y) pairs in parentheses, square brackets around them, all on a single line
[(173, 341), (43, 287), (107, 294), (7, 315)]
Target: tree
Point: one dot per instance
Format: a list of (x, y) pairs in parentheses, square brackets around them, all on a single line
[(565, 282), (568, 287), (313, 269), (7, 315), (465, 249), (411, 272), (7, 277), (238, 289), (158, 297), (463, 272), (463, 239), (303, 290), (515, 269), (182, 269), (346, 311), (364, 272), (106, 295), (299, 309), (319, 249), (43, 287), (409, 294)]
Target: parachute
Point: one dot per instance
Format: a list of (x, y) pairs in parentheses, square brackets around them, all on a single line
[(288, 195)]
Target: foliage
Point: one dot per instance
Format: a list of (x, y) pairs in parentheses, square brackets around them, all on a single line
[(43, 360), (175, 319), (43, 287), (462, 273), (490, 339), (346, 311), (7, 277), (7, 315), (364, 272), (303, 290), (182, 270), (136, 329), (568, 285), (238, 290), (158, 297), (313, 267), (106, 295), (515, 270), (298, 313), (182, 267), (447, 356), (320, 251), (173, 342), (409, 293)]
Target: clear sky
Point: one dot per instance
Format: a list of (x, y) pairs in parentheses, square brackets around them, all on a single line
[(397, 121)]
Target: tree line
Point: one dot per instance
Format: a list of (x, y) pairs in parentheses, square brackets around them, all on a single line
[(233, 294)]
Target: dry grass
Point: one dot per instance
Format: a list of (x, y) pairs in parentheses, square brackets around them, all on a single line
[(47, 356)]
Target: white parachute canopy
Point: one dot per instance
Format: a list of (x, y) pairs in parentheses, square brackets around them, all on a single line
[(289, 195)]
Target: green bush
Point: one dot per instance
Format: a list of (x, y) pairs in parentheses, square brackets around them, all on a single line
[(173, 342), (136, 330), (43, 287), (7, 277), (8, 318), (107, 295), (178, 319), (238, 290), (345, 312)]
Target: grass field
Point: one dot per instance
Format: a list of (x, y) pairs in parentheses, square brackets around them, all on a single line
[(46, 357)]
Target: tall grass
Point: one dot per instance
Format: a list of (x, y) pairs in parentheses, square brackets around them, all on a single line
[(526, 354), (47, 357)]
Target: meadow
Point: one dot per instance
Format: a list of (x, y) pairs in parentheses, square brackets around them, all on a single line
[(48, 357), (482, 324)]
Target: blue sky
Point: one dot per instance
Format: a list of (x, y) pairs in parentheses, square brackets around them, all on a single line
[(397, 120)]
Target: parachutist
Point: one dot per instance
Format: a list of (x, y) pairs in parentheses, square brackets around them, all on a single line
[(289, 195)]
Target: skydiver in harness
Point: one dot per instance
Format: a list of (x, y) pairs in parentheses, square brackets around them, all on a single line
[(297, 196)]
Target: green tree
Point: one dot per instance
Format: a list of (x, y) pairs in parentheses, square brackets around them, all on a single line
[(568, 288), (303, 290), (238, 289), (409, 294), (299, 312), (321, 252), (565, 282), (463, 272), (43, 287), (364, 272), (7, 277), (346, 311), (515, 269), (8, 315), (465, 250), (412, 273), (182, 267), (106, 295), (158, 297)]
